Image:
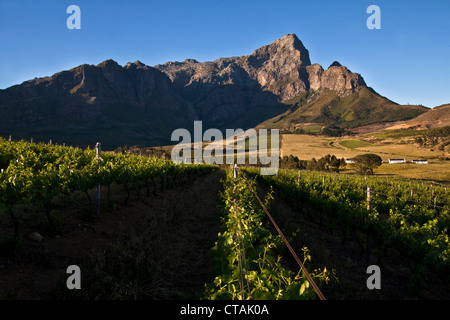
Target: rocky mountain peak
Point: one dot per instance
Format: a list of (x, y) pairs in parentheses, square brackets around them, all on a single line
[(136, 65), (110, 63), (288, 49), (282, 68), (290, 44), (190, 61), (335, 64), (278, 67)]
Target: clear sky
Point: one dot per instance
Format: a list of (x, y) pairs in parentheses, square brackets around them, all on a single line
[(407, 60)]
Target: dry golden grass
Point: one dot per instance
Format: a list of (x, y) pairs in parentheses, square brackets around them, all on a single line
[(306, 147), (436, 171)]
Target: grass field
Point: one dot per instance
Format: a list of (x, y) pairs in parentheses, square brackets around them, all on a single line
[(353, 144), (438, 171), (306, 147)]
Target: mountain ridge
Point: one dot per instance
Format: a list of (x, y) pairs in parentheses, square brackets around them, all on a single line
[(282, 67), (141, 105)]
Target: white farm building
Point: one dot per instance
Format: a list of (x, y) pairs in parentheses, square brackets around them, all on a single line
[(420, 161), (397, 160)]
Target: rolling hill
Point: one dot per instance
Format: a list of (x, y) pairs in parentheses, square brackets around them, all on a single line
[(327, 108)]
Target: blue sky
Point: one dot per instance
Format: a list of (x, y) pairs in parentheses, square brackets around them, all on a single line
[(407, 60)]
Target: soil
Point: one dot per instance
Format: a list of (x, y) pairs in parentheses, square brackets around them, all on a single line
[(37, 270)]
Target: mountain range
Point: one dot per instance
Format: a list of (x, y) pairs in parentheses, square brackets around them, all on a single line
[(276, 86)]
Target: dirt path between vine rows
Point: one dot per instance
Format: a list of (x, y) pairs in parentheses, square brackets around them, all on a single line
[(174, 229)]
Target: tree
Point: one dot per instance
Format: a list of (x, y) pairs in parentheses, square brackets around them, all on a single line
[(365, 163), (336, 164), (292, 162), (312, 165), (326, 163)]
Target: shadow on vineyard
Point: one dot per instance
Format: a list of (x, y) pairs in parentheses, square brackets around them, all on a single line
[(307, 224), (157, 241), (154, 247)]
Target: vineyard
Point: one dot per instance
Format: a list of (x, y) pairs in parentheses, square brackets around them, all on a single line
[(385, 220), (377, 215), (197, 232), (247, 254), (382, 213), (34, 174)]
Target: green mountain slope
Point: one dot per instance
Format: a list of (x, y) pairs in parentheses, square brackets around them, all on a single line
[(327, 108)]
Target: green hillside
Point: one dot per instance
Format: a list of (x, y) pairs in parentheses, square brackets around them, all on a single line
[(327, 108)]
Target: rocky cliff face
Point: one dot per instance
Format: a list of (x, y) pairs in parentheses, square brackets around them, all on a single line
[(271, 74), (85, 91), (226, 92), (282, 68), (133, 104)]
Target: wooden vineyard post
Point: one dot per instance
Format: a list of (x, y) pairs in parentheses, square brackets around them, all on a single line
[(238, 230), (97, 154), (369, 228), (299, 180)]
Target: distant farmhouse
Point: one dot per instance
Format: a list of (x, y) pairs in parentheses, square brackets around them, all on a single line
[(397, 160), (350, 160), (417, 161), (420, 161)]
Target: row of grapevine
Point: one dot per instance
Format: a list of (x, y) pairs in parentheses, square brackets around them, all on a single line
[(393, 220), (35, 174), (246, 256), (421, 192)]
